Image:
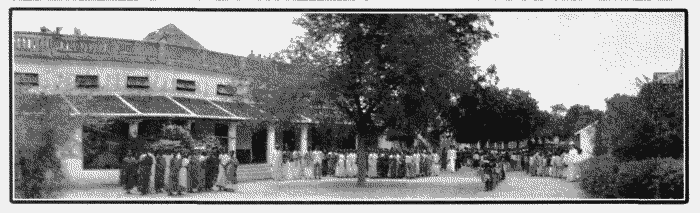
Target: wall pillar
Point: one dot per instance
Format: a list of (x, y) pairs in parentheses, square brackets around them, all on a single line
[(232, 139), (134, 128), (304, 147), (270, 142), (188, 125)]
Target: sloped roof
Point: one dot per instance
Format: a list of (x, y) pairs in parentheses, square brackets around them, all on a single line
[(170, 34)]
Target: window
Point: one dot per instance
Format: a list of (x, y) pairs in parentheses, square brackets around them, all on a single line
[(27, 79), (226, 90), (185, 85), (133, 82), (87, 81)]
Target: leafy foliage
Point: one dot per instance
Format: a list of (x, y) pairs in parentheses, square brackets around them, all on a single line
[(646, 126), (656, 178), (39, 142), (393, 70), (178, 133)]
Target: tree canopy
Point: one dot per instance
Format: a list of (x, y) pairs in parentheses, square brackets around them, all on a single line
[(394, 70)]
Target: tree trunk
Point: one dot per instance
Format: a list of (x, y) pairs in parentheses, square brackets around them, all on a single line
[(362, 159)]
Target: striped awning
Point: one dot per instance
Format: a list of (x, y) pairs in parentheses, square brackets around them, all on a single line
[(103, 104), (154, 106), (202, 107), (32, 103), (115, 105)]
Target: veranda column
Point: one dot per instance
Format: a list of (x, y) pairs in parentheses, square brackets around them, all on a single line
[(270, 142), (188, 125), (304, 139), (134, 128), (232, 139)]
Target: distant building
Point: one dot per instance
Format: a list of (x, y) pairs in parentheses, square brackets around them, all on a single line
[(585, 138), (672, 77)]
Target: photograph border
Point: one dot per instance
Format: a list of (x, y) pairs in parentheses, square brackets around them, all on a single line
[(331, 10)]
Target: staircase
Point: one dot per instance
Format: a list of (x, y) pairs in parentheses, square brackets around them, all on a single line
[(247, 172)]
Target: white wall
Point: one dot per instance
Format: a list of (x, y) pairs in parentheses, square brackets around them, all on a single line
[(60, 76)]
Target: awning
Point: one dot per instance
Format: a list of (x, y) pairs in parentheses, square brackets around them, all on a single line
[(239, 109), (201, 107), (34, 103), (107, 104), (154, 105)]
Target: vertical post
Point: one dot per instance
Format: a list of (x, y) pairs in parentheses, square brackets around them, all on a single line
[(134, 128), (232, 138), (304, 138), (188, 125), (270, 142), (77, 146)]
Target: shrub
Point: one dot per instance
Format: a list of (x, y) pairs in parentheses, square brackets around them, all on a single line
[(656, 178), (597, 179), (178, 133)]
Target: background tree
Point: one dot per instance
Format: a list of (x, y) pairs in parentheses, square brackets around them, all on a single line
[(40, 143), (385, 61)]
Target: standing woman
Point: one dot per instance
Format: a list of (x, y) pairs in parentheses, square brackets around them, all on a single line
[(161, 165), (173, 183), (392, 165), (353, 164), (201, 172), (381, 159), (184, 173), (401, 165), (452, 158), (130, 170), (318, 160), (277, 164), (212, 164), (145, 165), (231, 184), (436, 164), (340, 166), (542, 165), (192, 172), (309, 165), (332, 158), (224, 161), (532, 168), (372, 161), (409, 165), (287, 165)]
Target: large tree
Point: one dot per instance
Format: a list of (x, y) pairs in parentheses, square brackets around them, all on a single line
[(391, 68)]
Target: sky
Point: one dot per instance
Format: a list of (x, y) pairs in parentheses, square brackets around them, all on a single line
[(569, 58)]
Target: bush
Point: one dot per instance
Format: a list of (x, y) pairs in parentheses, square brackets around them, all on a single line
[(178, 133), (657, 178), (597, 180)]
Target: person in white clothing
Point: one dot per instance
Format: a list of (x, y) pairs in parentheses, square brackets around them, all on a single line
[(452, 158), (317, 161), (340, 167)]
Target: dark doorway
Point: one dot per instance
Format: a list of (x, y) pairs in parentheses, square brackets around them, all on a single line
[(259, 145), (289, 139), (221, 132)]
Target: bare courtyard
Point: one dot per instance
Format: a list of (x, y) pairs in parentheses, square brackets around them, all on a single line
[(463, 185)]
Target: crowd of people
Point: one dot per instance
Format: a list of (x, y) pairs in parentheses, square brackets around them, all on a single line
[(542, 163), (184, 171), (291, 165), (178, 172)]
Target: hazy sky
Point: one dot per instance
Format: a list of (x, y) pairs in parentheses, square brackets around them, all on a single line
[(569, 58)]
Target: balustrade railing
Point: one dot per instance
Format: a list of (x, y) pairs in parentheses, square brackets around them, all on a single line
[(43, 45)]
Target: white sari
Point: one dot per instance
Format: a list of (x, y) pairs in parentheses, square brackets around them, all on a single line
[(372, 163), (221, 177), (340, 168), (451, 160)]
